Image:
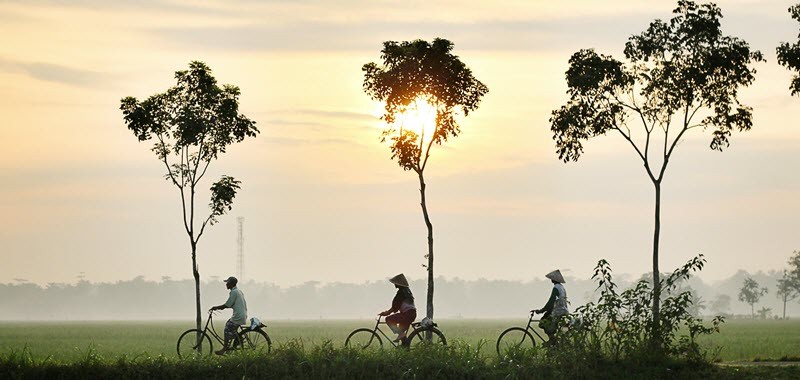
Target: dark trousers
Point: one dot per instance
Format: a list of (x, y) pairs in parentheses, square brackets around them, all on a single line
[(401, 321)]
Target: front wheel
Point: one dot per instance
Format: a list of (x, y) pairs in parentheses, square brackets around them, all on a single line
[(513, 339), (255, 340), (363, 339), (194, 343), (422, 337)]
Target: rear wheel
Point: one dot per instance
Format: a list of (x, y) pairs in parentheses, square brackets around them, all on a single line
[(423, 337), (255, 340), (363, 339), (513, 339), (192, 345)]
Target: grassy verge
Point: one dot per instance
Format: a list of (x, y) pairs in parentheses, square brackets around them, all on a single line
[(328, 361), (740, 340)]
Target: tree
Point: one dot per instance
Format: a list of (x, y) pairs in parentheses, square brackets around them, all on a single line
[(789, 55), (191, 124), (416, 75), (721, 304), (789, 285), (787, 290), (750, 293), (680, 75), (764, 312), (794, 270)]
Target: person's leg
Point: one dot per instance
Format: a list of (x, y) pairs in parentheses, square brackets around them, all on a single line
[(546, 324), (406, 319), (230, 335), (392, 321)]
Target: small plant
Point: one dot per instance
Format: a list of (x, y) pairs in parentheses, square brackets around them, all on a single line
[(617, 327)]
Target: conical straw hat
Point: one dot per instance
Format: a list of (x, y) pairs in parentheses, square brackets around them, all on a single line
[(400, 279), (556, 276)]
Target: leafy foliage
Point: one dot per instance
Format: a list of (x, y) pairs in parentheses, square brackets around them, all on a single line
[(794, 271), (414, 71), (222, 194), (196, 112), (674, 69), (191, 124), (618, 324), (789, 54), (750, 293)]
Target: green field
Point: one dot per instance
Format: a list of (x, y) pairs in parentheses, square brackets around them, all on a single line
[(740, 340)]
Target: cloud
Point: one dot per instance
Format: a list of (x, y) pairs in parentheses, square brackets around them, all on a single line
[(125, 5), (55, 73), (535, 33), (331, 36)]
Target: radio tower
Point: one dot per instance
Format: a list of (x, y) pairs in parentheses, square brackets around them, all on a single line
[(240, 249)]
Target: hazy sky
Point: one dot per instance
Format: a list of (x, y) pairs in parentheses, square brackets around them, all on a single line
[(321, 198)]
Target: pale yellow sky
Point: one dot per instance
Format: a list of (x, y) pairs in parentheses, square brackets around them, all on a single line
[(321, 198)]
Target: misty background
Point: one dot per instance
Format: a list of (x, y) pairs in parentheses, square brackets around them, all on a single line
[(167, 299)]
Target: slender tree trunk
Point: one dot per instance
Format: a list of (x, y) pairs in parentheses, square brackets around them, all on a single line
[(196, 273), (784, 308), (429, 312), (656, 273), (752, 312)]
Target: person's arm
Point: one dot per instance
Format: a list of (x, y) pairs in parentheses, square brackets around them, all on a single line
[(549, 305), (395, 306), (229, 303)]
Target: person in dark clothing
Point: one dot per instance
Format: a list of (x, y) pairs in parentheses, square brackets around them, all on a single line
[(403, 308), (555, 308)]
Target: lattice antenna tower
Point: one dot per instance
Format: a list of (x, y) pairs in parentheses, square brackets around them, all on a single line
[(240, 249)]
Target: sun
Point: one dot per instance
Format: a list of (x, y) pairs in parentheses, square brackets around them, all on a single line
[(419, 117)]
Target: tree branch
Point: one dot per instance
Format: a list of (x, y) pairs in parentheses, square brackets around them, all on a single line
[(204, 171), (202, 228), (638, 151)]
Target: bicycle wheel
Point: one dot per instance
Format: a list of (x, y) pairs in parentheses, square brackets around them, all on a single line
[(189, 346), (363, 339), (255, 340), (514, 338), (419, 337)]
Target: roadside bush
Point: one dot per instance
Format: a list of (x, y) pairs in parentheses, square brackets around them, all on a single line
[(619, 326)]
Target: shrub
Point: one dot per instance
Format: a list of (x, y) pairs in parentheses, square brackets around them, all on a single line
[(619, 326)]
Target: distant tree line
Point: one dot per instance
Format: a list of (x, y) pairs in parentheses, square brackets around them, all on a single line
[(141, 299)]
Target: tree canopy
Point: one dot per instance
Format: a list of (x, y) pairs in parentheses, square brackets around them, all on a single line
[(674, 69), (789, 54), (419, 70)]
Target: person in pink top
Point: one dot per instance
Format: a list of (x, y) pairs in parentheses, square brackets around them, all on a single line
[(403, 312)]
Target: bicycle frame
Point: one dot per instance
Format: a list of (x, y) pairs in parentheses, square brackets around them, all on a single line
[(217, 337), (529, 328), (212, 330), (377, 328)]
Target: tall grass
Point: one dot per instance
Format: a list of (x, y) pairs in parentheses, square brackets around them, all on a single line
[(294, 360)]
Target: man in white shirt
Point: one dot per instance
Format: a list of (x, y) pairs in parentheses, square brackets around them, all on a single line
[(239, 305)]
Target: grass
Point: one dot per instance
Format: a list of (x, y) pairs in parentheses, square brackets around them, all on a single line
[(746, 340), (741, 340), (327, 361)]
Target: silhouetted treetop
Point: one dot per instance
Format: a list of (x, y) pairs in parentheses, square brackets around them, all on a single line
[(789, 54), (195, 112), (419, 69), (673, 70)]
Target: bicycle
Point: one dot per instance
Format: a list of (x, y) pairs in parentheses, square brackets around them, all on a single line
[(197, 343), (365, 338), (516, 337)]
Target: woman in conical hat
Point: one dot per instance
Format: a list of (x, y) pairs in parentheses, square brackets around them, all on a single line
[(556, 306), (402, 306)]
